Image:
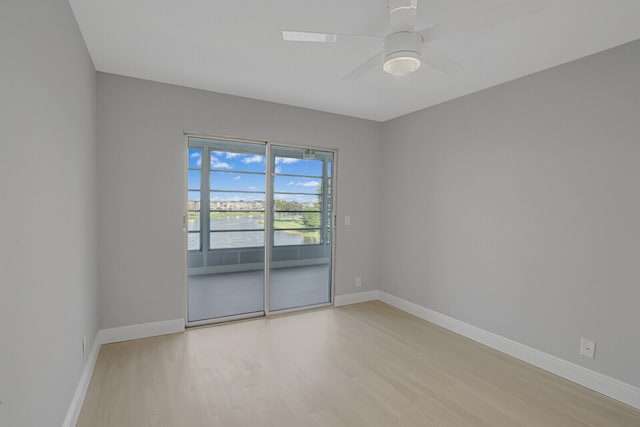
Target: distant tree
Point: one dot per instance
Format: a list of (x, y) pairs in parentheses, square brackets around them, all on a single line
[(312, 219), (284, 205)]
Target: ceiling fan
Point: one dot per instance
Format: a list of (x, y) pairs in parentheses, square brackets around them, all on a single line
[(404, 48)]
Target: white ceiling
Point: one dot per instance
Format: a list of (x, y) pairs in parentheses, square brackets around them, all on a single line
[(235, 47)]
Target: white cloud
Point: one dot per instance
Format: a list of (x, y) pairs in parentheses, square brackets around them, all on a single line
[(285, 160), (253, 187), (278, 169), (305, 184), (217, 164), (253, 159), (196, 155), (225, 154), (237, 178)]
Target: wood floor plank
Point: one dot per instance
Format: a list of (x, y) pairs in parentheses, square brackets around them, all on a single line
[(361, 365)]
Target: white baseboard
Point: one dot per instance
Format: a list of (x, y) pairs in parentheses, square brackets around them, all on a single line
[(142, 330), (596, 381), (355, 298), (106, 336), (83, 385)]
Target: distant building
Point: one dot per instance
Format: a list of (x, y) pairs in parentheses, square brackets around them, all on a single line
[(237, 205), (193, 205)]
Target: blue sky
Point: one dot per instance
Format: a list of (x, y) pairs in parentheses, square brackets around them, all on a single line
[(222, 163)]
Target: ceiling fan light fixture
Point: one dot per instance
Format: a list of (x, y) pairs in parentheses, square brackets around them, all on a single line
[(402, 63), (402, 53)]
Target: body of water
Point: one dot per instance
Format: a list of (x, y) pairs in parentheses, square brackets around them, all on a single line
[(243, 239)]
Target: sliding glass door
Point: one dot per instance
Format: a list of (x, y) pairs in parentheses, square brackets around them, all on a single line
[(300, 261), (226, 215), (259, 219)]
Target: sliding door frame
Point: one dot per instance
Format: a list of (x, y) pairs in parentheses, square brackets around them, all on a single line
[(268, 226)]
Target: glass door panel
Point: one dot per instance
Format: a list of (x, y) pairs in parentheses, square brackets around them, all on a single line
[(226, 228), (300, 236)]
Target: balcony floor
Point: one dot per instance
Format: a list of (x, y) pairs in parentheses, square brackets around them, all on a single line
[(219, 295)]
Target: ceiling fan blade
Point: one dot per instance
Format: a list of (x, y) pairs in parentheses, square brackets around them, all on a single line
[(402, 15), (440, 61), (314, 37), (365, 68), (307, 36), (487, 18)]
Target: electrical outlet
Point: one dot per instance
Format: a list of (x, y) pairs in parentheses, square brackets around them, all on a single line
[(84, 344), (588, 348), (358, 281)]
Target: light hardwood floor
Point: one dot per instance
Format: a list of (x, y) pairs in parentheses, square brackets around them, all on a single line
[(360, 365)]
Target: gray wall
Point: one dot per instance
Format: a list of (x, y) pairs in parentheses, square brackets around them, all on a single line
[(48, 282), (141, 152), (517, 210), (514, 209)]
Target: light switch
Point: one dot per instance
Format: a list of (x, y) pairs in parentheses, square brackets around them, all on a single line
[(347, 220)]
